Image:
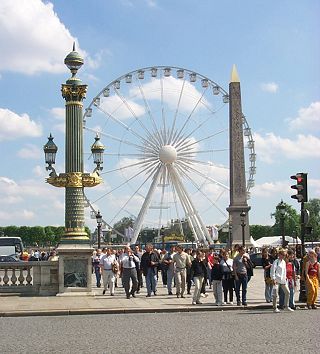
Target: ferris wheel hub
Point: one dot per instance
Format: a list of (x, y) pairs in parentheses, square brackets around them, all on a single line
[(167, 154)]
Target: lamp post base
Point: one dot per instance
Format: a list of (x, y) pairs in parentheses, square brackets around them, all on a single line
[(75, 268)]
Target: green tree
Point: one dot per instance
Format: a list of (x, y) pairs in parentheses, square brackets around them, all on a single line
[(314, 209), (12, 231), (258, 231), (38, 235), (291, 221)]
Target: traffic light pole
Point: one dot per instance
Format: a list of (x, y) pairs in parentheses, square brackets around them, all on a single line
[(302, 294)]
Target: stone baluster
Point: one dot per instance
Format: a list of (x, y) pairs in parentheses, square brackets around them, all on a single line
[(29, 277), (13, 277), (5, 277), (21, 277)]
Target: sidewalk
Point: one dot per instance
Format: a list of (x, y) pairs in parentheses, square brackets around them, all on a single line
[(14, 306)]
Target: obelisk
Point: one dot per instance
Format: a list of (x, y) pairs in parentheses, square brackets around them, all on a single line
[(238, 191)]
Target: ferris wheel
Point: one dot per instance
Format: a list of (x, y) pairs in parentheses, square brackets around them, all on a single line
[(166, 134)]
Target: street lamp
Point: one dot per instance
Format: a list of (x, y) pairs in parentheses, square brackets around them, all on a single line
[(243, 224), (50, 152), (162, 236), (99, 223), (282, 209), (97, 150)]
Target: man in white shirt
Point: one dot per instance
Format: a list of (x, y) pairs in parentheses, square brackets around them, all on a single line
[(278, 275), (108, 276)]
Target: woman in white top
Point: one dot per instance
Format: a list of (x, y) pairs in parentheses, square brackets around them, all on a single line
[(278, 275)]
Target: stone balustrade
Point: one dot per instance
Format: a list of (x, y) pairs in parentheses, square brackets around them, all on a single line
[(29, 278)]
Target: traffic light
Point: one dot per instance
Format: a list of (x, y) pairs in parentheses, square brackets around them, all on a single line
[(301, 186)]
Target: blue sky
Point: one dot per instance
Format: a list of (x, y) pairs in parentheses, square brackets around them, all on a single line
[(275, 46)]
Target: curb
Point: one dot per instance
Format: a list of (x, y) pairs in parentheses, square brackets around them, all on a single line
[(88, 311)]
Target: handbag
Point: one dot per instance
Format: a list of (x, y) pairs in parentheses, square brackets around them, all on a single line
[(114, 267), (228, 275)]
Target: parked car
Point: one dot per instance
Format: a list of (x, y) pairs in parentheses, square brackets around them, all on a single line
[(11, 258), (256, 259)]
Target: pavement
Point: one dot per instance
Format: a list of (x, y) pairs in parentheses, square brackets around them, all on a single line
[(14, 305)]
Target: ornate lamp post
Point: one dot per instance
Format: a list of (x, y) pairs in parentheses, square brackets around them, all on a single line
[(75, 240), (99, 224), (162, 236), (282, 209), (243, 225)]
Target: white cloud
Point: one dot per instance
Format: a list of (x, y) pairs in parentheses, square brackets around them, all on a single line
[(308, 118), (39, 171), (271, 87), (13, 126), (271, 147), (30, 152), (115, 106), (33, 39), (58, 112), (269, 189), (172, 90)]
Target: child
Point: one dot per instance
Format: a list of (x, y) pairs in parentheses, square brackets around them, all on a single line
[(216, 279), (312, 276)]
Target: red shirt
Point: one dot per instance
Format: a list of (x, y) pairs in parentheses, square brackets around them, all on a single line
[(290, 271)]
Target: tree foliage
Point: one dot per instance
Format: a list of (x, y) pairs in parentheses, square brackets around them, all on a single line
[(291, 221), (36, 236), (314, 209)]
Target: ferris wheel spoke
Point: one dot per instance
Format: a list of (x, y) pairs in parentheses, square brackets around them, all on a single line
[(204, 194), (96, 131), (190, 115), (196, 152), (163, 178), (175, 201), (188, 167), (156, 130), (126, 127), (139, 156), (140, 163), (176, 112), (204, 163), (122, 184), (149, 134), (136, 192), (165, 134), (146, 204), (199, 225), (189, 144)]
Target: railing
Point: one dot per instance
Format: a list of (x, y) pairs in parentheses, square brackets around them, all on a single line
[(29, 278)]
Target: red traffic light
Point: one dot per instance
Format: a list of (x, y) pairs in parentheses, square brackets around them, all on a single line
[(301, 187)]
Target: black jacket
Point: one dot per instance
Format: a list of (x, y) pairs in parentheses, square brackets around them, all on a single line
[(217, 272), (198, 268), (146, 260)]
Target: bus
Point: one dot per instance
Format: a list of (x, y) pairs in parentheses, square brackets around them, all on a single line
[(10, 246)]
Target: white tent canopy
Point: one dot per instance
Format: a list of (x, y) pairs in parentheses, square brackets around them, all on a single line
[(275, 241)]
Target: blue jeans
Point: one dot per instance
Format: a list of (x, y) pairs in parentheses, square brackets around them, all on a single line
[(291, 297), (169, 280), (151, 281), (98, 275), (268, 292), (242, 282)]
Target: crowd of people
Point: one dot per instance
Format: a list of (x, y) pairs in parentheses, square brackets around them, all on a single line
[(226, 272), (38, 255), (282, 270)]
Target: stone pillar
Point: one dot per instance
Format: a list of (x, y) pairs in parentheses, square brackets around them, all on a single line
[(238, 191)]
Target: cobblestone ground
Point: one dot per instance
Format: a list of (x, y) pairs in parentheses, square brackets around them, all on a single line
[(223, 332)]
